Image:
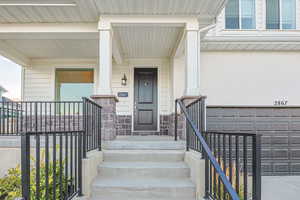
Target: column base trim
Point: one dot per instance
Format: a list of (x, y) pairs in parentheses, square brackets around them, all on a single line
[(105, 97)]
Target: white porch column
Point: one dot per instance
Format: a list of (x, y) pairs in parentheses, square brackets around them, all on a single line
[(105, 59), (192, 62)]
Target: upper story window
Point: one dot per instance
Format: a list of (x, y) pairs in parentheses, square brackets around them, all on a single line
[(240, 14), (281, 14)]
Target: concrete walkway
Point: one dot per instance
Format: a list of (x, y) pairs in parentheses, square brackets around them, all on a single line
[(281, 188)]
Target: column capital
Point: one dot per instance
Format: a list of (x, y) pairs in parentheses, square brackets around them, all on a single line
[(192, 25), (104, 24)]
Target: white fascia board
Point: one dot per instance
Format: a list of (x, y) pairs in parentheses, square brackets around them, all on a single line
[(12, 54), (49, 31), (49, 28), (148, 19)]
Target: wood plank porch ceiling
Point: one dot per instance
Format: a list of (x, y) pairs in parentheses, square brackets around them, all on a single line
[(90, 10)]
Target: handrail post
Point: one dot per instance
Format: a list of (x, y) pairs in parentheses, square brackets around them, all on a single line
[(176, 120), (100, 127), (80, 153), (203, 120), (25, 165), (84, 127), (206, 195), (256, 164)]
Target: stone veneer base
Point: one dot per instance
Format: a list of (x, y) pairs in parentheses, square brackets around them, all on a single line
[(124, 126)]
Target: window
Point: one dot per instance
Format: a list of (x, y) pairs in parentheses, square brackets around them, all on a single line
[(240, 14), (73, 84), (281, 14)]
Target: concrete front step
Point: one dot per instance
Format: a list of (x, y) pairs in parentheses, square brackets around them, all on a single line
[(144, 145), (144, 169), (143, 155), (142, 189)]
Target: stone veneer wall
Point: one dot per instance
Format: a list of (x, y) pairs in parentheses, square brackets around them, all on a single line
[(280, 129)]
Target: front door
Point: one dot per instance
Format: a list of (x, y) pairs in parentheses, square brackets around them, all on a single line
[(145, 99)]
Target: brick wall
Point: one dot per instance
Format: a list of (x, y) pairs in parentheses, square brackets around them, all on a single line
[(280, 129)]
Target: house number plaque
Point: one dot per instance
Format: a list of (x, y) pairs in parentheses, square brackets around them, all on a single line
[(122, 94)]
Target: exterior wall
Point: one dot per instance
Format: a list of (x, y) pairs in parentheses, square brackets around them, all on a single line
[(39, 85), (125, 105), (280, 129), (250, 78), (39, 78)]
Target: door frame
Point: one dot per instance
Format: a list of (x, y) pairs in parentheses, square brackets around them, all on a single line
[(137, 66)]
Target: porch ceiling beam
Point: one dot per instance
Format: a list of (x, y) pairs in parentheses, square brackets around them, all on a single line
[(49, 27), (9, 52), (49, 31), (179, 48), (148, 20), (116, 50)]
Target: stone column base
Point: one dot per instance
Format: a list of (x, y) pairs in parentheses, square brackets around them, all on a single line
[(108, 115)]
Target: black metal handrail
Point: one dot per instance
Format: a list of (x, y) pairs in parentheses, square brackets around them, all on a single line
[(53, 170), (92, 125), (233, 152), (239, 155), (55, 135), (34, 116), (208, 153)]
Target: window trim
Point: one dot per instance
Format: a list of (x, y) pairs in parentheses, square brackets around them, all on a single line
[(240, 18)]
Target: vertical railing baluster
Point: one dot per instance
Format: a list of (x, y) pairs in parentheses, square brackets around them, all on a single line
[(80, 165), (54, 152), (47, 150), (25, 165), (256, 170), (245, 157), (230, 158), (38, 148), (237, 165), (224, 163), (207, 174), (215, 178), (66, 151), (219, 161), (176, 121), (84, 126)]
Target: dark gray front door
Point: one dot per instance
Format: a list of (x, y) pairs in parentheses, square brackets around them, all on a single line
[(145, 99)]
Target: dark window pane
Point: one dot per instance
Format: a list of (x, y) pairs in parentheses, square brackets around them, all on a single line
[(273, 15), (232, 14), (288, 11), (248, 14)]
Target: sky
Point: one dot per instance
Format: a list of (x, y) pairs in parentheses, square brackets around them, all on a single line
[(10, 78)]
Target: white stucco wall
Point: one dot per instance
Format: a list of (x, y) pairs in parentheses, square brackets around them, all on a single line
[(250, 78)]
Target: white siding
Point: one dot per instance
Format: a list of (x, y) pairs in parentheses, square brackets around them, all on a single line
[(125, 105), (38, 83)]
